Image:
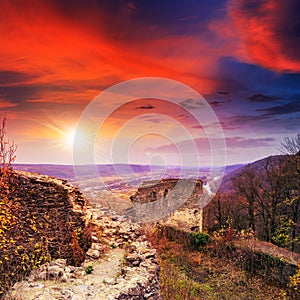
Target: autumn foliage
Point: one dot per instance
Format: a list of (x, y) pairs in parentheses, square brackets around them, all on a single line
[(32, 230)]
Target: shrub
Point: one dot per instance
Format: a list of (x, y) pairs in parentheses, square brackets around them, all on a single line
[(89, 269), (295, 281), (198, 240)]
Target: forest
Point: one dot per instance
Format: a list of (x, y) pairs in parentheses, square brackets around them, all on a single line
[(262, 197)]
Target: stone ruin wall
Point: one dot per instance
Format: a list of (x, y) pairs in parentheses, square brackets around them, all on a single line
[(124, 265), (170, 202), (56, 209), (59, 210)]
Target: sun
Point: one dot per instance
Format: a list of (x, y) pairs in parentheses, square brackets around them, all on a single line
[(74, 137), (69, 137), (63, 135)]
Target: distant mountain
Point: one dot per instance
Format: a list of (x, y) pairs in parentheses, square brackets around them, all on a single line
[(235, 170), (107, 170), (67, 171), (231, 168), (59, 171)]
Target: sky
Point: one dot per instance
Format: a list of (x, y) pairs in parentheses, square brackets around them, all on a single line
[(241, 56)]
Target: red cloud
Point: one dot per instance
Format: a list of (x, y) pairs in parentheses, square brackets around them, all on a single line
[(269, 31), (97, 47), (63, 57)]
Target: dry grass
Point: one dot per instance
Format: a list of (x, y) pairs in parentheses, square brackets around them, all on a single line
[(187, 274)]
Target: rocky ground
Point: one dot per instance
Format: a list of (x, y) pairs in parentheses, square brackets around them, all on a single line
[(120, 264)]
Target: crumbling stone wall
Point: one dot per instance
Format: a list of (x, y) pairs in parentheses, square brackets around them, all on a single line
[(151, 191), (55, 213), (49, 210), (123, 266), (42, 218), (178, 199)]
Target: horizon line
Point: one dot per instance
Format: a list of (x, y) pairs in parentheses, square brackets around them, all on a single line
[(128, 164)]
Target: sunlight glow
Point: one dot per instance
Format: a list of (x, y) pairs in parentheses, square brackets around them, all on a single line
[(68, 137), (64, 135)]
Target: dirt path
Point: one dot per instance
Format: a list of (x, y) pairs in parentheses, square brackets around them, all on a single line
[(96, 285)]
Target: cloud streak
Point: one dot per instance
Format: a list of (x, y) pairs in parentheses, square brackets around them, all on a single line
[(284, 109), (269, 32), (261, 98)]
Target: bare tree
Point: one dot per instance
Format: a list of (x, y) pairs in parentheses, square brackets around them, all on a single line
[(7, 148), (291, 145), (246, 184)]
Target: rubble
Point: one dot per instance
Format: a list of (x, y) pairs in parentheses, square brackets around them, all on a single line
[(120, 264)]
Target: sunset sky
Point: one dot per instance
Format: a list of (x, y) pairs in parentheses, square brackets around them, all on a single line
[(242, 56)]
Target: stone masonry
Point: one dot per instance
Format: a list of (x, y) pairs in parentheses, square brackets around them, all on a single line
[(171, 202), (122, 263), (50, 210)]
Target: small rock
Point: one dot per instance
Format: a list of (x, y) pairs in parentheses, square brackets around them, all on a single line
[(55, 272), (97, 246), (64, 278), (94, 239), (93, 253), (58, 262), (110, 281)]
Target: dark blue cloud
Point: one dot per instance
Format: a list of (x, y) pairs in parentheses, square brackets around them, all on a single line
[(14, 77), (20, 93), (284, 109), (248, 79), (262, 98), (132, 17), (181, 17)]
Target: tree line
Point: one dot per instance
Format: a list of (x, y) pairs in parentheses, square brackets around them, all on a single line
[(263, 197)]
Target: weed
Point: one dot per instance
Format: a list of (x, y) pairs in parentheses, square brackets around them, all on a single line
[(198, 240), (89, 269)]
